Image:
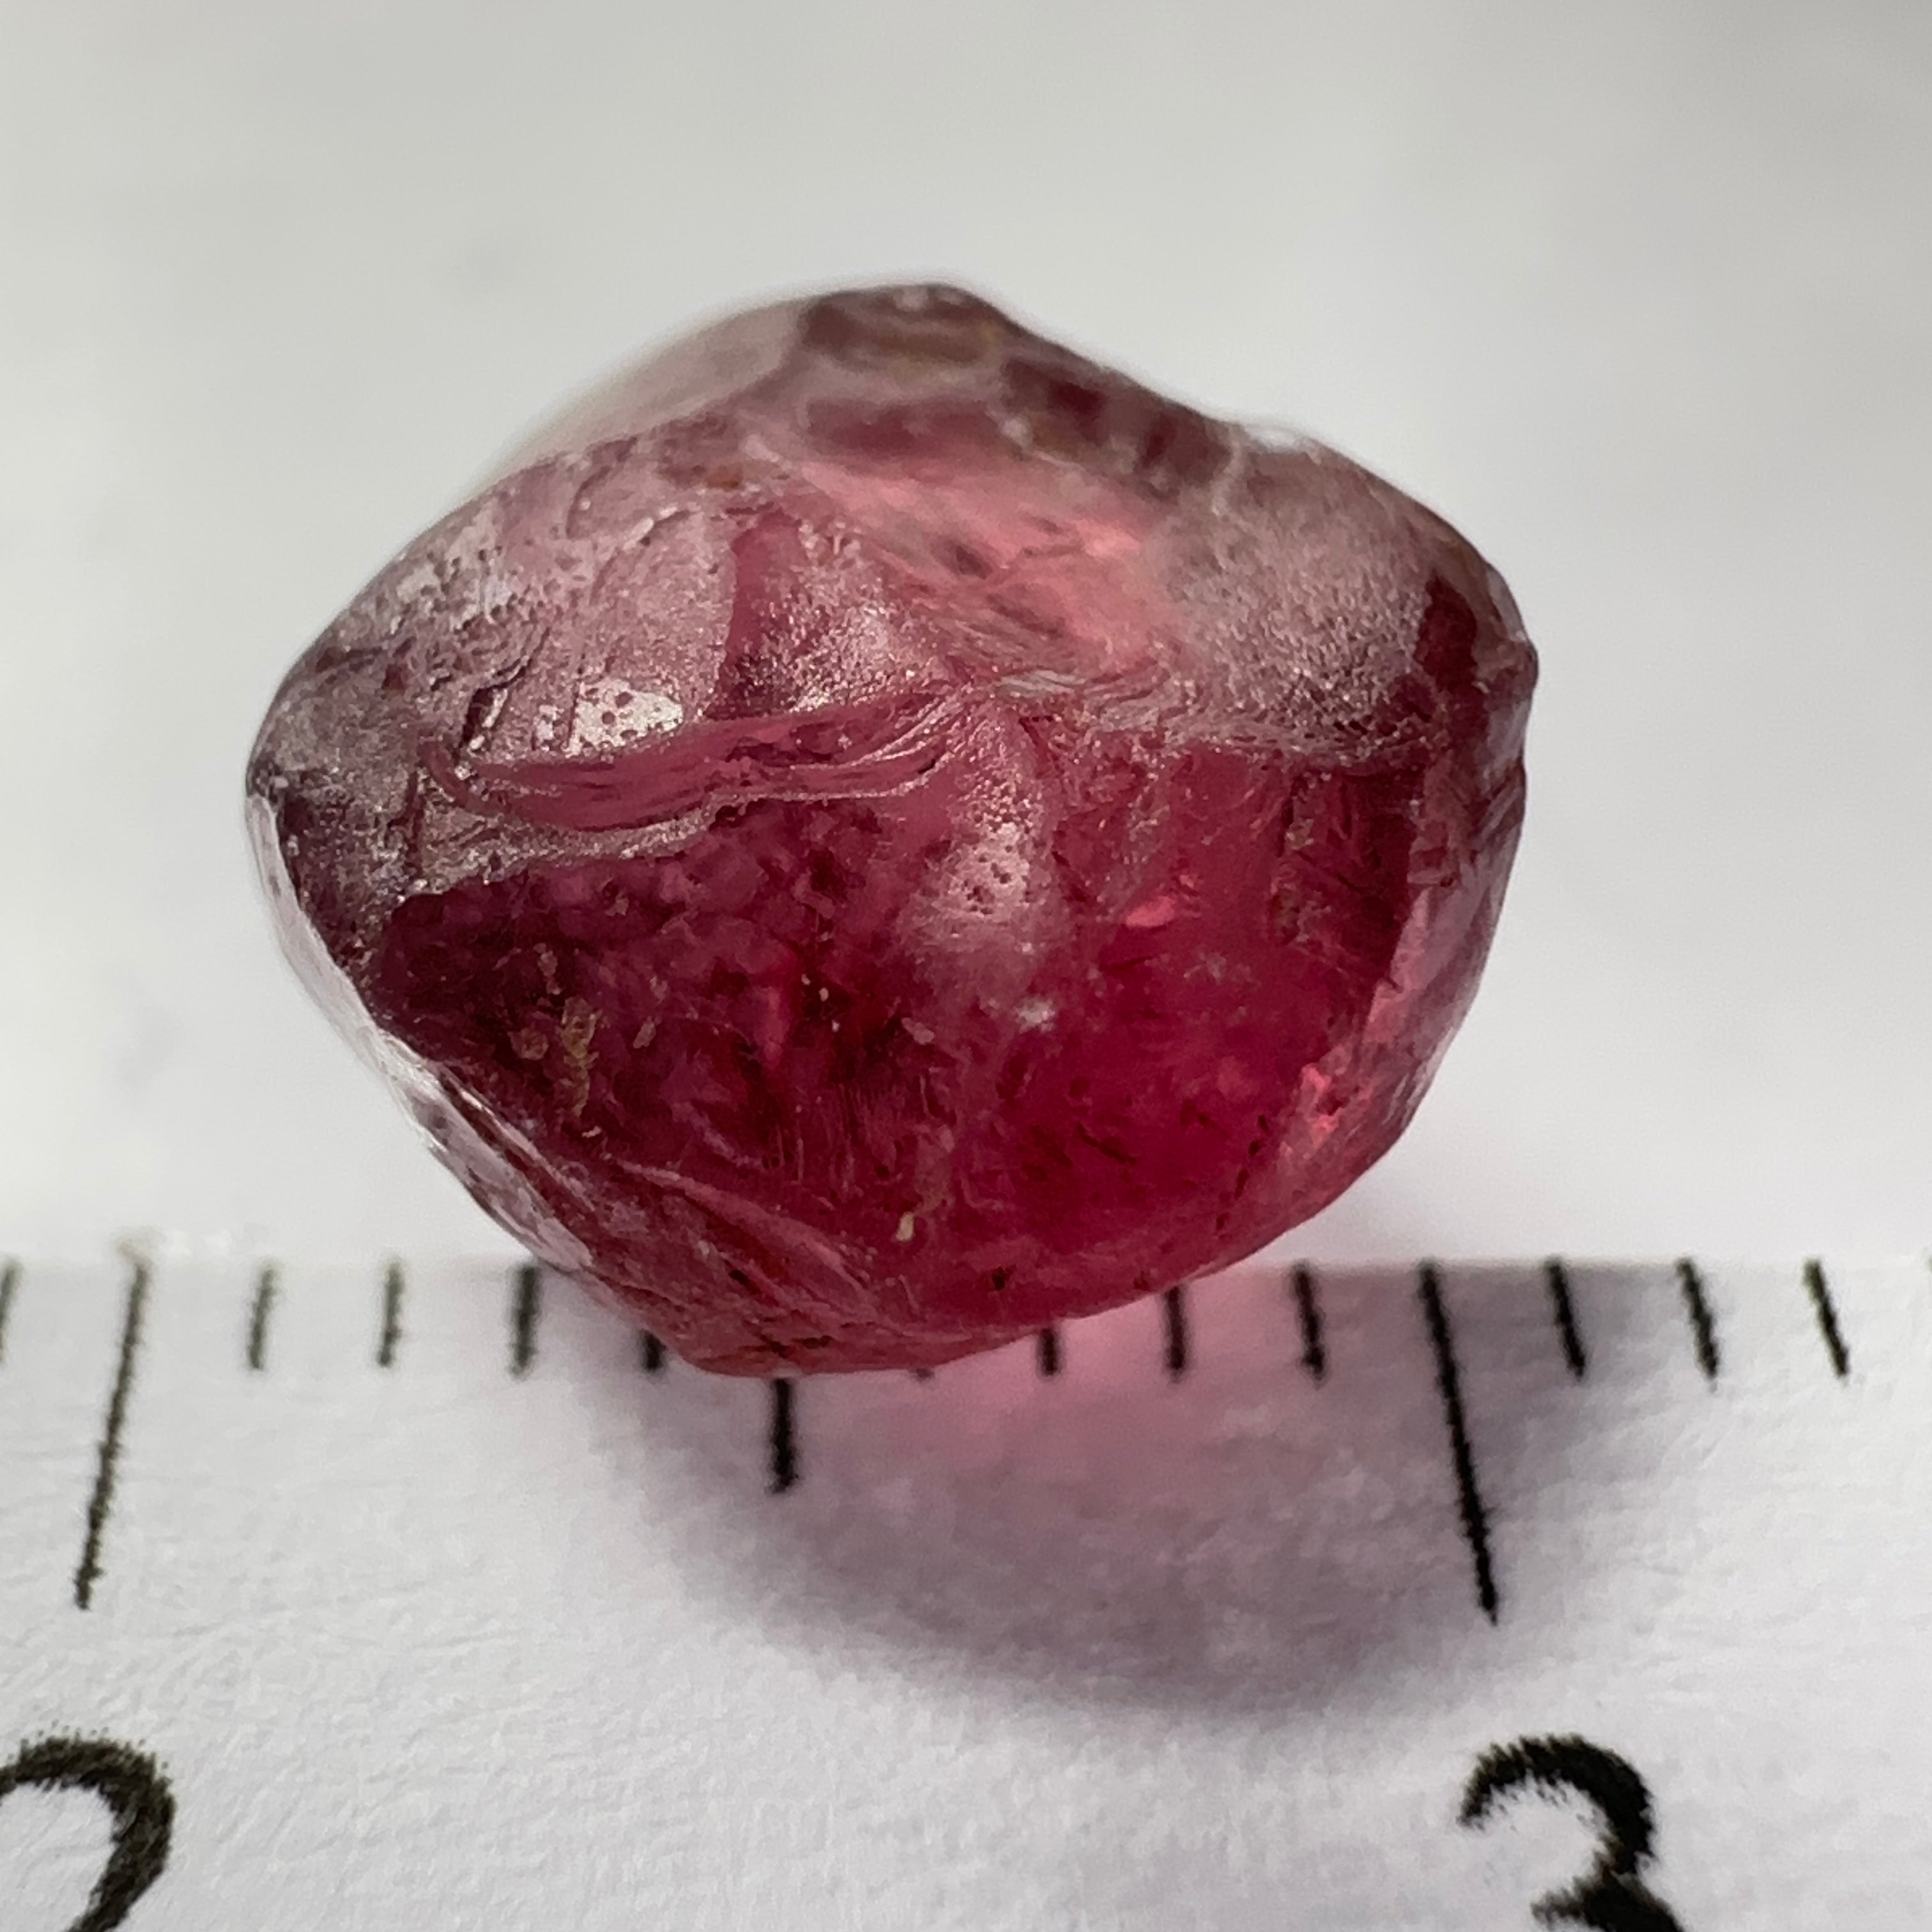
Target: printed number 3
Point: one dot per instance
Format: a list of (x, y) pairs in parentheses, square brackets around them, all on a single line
[(1610, 1897), (138, 1799)]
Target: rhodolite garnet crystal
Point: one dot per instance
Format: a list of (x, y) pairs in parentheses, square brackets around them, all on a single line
[(876, 834)]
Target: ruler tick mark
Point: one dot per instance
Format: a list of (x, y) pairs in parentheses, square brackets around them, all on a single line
[(1474, 1517), (650, 1353), (784, 1440), (1703, 1322), (1308, 1313), (107, 1453), (259, 1308), (1173, 1329), (1046, 1351), (526, 1303), (1563, 1311), (392, 1335), (1826, 1310), (10, 1282)]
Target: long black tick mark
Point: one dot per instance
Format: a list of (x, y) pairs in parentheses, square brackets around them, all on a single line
[(392, 1336), (1563, 1311), (1308, 1313), (650, 1354), (1173, 1329), (259, 1308), (1703, 1323), (784, 1436), (1475, 1518), (1046, 1346), (526, 1303), (10, 1282), (107, 1454), (1827, 1313)]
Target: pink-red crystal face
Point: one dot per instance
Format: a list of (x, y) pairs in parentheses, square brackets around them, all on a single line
[(879, 834)]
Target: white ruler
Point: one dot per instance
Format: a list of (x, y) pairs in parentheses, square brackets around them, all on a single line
[(335, 1599)]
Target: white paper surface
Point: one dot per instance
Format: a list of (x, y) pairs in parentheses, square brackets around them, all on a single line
[(434, 1646)]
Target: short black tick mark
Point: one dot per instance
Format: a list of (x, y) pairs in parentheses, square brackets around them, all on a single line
[(1174, 1330), (1308, 1313), (1046, 1347), (107, 1453), (259, 1308), (784, 1436), (650, 1353), (1826, 1310), (1475, 1518), (9, 1283), (1563, 1311), (392, 1336), (526, 1303), (1703, 1322)]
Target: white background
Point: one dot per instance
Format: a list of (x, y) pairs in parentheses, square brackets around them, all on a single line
[(1639, 293)]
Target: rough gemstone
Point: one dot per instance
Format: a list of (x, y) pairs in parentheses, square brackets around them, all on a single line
[(876, 834)]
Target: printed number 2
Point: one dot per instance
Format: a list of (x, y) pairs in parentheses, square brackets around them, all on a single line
[(1610, 1897), (138, 1799)]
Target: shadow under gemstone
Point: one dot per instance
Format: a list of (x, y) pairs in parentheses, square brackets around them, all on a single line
[(1245, 1497)]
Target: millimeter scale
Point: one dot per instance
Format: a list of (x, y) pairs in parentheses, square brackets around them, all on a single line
[(427, 1594)]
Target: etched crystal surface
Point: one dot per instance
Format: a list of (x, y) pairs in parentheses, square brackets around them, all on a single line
[(878, 834)]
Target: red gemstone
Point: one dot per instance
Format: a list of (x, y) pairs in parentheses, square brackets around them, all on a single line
[(879, 835)]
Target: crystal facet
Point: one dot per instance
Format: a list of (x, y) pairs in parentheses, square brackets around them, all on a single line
[(876, 834)]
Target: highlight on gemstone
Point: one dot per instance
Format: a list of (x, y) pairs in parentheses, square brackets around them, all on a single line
[(876, 834)]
